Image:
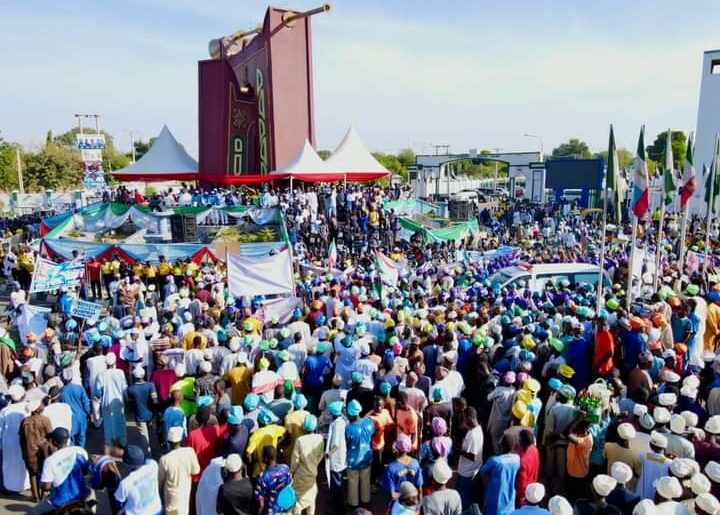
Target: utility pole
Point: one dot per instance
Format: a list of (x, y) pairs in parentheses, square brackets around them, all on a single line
[(21, 187), (495, 179), (132, 145)]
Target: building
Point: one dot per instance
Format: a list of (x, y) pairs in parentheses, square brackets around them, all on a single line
[(708, 120)]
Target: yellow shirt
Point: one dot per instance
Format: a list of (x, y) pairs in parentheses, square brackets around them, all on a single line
[(150, 272), (178, 269), (261, 438), (138, 269), (164, 268), (115, 264), (188, 340), (106, 268), (192, 268), (25, 262)]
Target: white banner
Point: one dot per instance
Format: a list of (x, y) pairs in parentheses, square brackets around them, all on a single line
[(91, 155), (87, 310), (266, 275), (33, 319), (283, 307), (53, 276)]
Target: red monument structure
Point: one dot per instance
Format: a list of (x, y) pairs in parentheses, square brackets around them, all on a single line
[(256, 96)]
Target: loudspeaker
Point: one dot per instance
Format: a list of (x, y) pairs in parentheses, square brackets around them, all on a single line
[(183, 228)]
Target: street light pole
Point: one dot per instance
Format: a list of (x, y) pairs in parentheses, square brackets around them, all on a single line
[(542, 146), (132, 144)]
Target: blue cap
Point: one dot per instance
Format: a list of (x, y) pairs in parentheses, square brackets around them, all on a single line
[(335, 408), (264, 417), (286, 499), (204, 400), (310, 423), (356, 377), (384, 387), (354, 408), (555, 383), (251, 401), (235, 415), (300, 401)]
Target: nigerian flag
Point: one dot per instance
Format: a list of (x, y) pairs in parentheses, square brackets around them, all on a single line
[(669, 187), (712, 181), (332, 255), (386, 269), (612, 178)]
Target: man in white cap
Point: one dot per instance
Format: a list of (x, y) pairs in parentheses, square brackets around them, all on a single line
[(236, 494), (709, 449), (667, 490), (111, 389), (621, 452), (602, 485), (621, 497), (706, 504), (443, 499), (654, 465), (678, 445), (534, 494), (14, 473), (176, 470), (645, 507), (208, 486), (143, 399), (558, 505)]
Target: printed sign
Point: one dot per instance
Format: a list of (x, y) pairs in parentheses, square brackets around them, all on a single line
[(49, 276), (87, 310), (90, 141)]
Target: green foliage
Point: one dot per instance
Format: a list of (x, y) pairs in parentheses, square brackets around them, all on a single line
[(55, 166), (113, 160), (8, 166), (141, 148), (324, 154), (392, 163), (406, 156), (573, 148), (656, 151), (481, 170), (625, 157)]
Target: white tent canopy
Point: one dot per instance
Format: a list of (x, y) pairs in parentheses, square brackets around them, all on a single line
[(351, 156), (166, 160), (306, 161)]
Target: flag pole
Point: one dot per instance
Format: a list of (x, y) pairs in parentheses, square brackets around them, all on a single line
[(658, 243), (628, 292), (666, 175), (710, 209), (684, 215), (604, 229)]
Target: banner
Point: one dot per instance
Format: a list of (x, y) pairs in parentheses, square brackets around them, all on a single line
[(32, 319), (91, 147), (282, 307), (387, 269), (266, 275), (86, 310), (53, 276)]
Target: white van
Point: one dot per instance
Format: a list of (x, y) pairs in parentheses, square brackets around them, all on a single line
[(537, 276)]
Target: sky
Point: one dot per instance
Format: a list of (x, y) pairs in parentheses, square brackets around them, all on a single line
[(406, 74)]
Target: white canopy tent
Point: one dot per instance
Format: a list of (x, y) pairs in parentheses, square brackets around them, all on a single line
[(166, 160), (351, 157)]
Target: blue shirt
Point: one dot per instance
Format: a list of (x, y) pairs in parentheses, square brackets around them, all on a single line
[(501, 472), (397, 472), (74, 396), (530, 510), (315, 367), (139, 394), (358, 436), (65, 470), (634, 344)]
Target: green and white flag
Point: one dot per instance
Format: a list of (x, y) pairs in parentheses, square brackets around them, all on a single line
[(387, 269), (332, 255), (612, 178)]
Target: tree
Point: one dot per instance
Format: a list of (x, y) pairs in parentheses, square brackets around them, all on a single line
[(656, 151), (625, 157), (406, 156), (573, 148), (141, 148), (54, 166), (324, 154), (8, 166)]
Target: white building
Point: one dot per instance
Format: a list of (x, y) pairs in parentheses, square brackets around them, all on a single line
[(708, 120)]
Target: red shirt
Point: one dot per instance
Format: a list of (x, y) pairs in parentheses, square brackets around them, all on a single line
[(204, 441), (163, 379), (603, 356), (528, 473), (93, 271)]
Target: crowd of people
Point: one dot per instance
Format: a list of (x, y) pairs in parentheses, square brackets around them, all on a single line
[(438, 393)]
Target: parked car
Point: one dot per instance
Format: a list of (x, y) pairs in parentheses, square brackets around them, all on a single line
[(535, 277)]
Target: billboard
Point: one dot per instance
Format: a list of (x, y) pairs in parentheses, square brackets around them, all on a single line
[(91, 147), (573, 174)]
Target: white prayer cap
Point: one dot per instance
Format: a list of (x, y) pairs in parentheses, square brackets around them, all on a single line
[(110, 359), (689, 391), (558, 505), (658, 439), (639, 410), (626, 431), (668, 487), (712, 470), (242, 358), (33, 405), (621, 472), (667, 399), (712, 425), (233, 463), (679, 469), (234, 344), (671, 377), (441, 472), (139, 373), (534, 493), (661, 415), (175, 434), (708, 503), (205, 366), (677, 424), (692, 381), (16, 392), (603, 484), (699, 484), (645, 507)]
